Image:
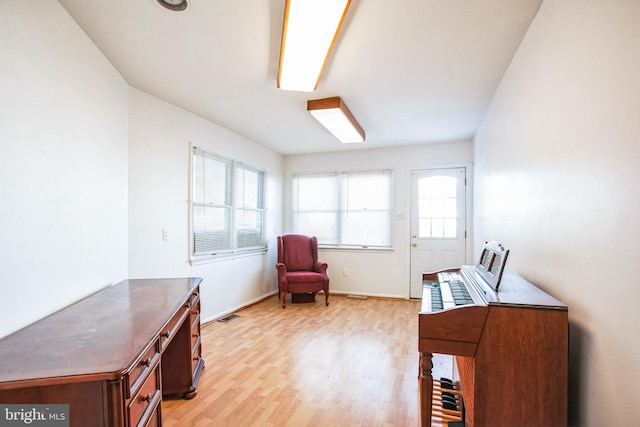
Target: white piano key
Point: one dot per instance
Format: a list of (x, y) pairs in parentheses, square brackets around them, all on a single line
[(447, 296)]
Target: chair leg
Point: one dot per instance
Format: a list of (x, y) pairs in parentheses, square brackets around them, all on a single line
[(326, 297), (283, 295)]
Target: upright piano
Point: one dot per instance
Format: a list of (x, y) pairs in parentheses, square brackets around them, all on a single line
[(510, 340)]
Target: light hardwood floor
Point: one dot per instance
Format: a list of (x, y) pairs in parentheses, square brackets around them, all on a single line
[(354, 363)]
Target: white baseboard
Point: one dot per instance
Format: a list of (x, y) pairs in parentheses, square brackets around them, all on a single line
[(222, 314)]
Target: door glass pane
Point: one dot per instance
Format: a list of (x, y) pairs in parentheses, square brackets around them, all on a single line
[(450, 225), (437, 227), (424, 225), (437, 207)]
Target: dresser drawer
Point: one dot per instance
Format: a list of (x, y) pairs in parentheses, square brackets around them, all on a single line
[(141, 369), (195, 297), (174, 324), (146, 401), (195, 354), (154, 419), (195, 328)]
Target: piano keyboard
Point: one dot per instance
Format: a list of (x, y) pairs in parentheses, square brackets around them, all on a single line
[(448, 292)]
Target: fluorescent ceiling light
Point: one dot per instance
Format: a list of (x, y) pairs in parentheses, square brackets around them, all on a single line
[(309, 31), (334, 115)]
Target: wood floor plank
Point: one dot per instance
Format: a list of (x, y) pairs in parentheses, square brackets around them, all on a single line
[(354, 363)]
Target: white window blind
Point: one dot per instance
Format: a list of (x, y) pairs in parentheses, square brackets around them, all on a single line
[(227, 205), (349, 209)]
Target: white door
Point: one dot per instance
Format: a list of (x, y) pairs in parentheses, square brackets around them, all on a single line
[(437, 222)]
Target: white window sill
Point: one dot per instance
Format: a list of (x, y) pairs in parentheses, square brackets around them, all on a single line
[(354, 248), (227, 256)]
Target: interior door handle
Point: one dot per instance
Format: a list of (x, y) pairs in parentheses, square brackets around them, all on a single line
[(414, 244)]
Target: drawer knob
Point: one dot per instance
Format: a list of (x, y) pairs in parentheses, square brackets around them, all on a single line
[(146, 362), (148, 397), (165, 335)]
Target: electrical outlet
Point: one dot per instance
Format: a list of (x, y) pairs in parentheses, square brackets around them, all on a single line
[(165, 234), (345, 271)]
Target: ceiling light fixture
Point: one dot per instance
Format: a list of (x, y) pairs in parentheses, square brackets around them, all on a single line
[(175, 5), (309, 31), (334, 115)]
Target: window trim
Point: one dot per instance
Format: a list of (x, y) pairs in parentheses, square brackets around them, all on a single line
[(201, 258)]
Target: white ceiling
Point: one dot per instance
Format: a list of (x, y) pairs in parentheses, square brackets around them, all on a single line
[(410, 71)]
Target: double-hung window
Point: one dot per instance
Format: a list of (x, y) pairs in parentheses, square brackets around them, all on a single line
[(347, 209), (227, 206)]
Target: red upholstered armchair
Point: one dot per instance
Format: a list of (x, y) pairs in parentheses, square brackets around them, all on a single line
[(299, 271)]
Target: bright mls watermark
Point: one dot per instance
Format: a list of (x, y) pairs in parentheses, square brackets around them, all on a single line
[(34, 415)]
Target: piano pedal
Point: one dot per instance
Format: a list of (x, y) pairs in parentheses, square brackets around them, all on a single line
[(439, 390), (441, 416), (446, 397), (445, 384), (446, 402), (446, 415), (446, 407)]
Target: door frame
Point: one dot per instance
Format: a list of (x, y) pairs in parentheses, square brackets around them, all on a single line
[(469, 256)]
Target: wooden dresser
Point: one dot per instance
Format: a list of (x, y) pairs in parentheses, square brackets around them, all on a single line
[(111, 356)]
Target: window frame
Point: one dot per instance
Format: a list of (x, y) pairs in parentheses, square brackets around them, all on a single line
[(234, 206), (342, 207)]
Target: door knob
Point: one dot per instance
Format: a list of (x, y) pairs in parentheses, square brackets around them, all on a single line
[(414, 244)]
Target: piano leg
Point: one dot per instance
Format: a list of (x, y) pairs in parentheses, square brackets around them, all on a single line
[(425, 387)]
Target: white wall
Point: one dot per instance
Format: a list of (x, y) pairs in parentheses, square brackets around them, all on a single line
[(63, 164), (160, 135), (376, 273), (556, 180)]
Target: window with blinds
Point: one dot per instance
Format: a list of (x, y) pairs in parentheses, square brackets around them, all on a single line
[(227, 205), (349, 209)]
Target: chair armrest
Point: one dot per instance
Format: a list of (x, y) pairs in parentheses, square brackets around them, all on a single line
[(282, 275), (320, 267)]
